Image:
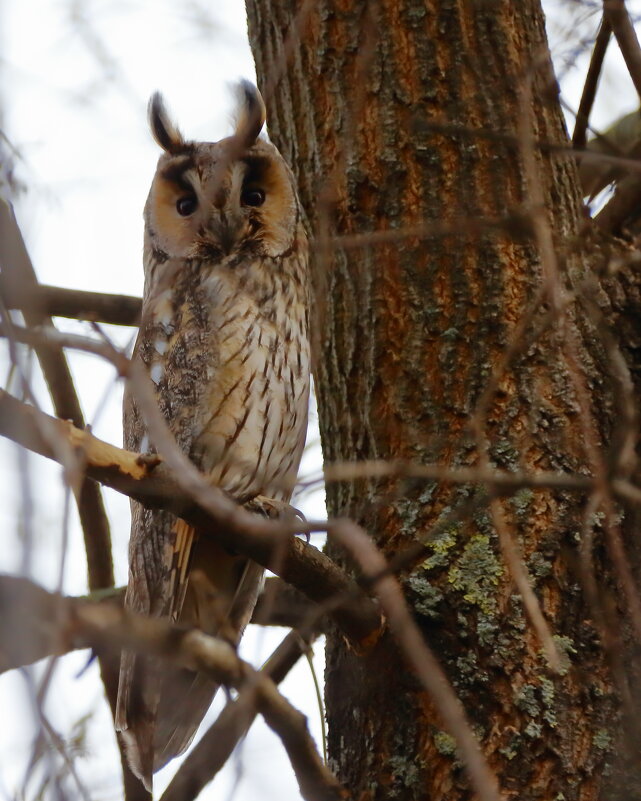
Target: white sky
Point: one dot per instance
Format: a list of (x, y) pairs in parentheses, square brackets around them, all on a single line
[(74, 81)]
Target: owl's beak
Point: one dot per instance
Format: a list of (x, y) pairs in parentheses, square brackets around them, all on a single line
[(224, 230)]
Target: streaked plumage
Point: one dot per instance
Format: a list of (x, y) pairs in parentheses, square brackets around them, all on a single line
[(224, 336)]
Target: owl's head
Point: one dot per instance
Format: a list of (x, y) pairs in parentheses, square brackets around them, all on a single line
[(214, 200)]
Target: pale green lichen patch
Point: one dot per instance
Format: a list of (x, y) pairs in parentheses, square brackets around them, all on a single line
[(539, 566), (520, 502), (440, 546), (477, 573), (533, 729), (445, 744), (564, 648), (526, 700), (424, 595), (602, 740), (538, 702), (406, 774), (504, 454), (487, 628), (549, 702), (467, 666)]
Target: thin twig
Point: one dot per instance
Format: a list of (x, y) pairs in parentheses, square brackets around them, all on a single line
[(591, 83), (520, 575), (216, 746), (499, 481), (17, 268), (622, 27)]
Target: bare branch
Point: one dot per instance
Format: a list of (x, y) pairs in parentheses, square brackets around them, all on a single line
[(622, 27), (55, 301), (280, 604), (288, 608), (216, 746), (18, 272), (500, 481), (591, 83), (108, 627), (149, 481)]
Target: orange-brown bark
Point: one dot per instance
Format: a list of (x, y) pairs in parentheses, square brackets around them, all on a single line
[(394, 115)]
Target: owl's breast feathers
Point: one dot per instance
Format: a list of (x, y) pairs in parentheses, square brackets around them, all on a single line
[(228, 350)]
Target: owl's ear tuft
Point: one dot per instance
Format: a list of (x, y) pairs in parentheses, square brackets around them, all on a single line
[(251, 113), (164, 131)]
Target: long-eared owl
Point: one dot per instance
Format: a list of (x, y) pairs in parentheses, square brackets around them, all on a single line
[(224, 338)]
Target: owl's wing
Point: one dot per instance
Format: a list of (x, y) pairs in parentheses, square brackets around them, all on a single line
[(160, 554), (160, 551), (177, 574)]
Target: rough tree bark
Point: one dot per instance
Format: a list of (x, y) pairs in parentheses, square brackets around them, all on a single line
[(373, 108)]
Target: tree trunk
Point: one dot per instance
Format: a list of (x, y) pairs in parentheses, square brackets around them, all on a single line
[(419, 113)]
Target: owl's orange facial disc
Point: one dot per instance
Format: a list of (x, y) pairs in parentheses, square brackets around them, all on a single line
[(174, 207), (267, 198)]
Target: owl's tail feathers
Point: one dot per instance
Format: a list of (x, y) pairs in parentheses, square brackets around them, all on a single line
[(185, 699), (136, 716), (186, 696), (158, 715), (160, 707)]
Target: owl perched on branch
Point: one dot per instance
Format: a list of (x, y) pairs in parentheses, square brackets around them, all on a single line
[(224, 338)]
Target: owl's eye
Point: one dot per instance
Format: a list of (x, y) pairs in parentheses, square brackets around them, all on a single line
[(252, 197), (186, 205)]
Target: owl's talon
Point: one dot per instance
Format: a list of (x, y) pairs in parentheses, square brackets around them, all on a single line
[(149, 461), (272, 508)]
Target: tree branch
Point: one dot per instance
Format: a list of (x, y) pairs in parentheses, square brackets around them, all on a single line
[(99, 307), (278, 605), (591, 83), (18, 273), (617, 15), (72, 623), (149, 481), (218, 743)]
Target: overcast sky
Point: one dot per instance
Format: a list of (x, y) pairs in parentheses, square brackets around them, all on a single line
[(74, 82)]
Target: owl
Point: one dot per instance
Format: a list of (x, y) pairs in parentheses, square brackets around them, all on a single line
[(224, 338)]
